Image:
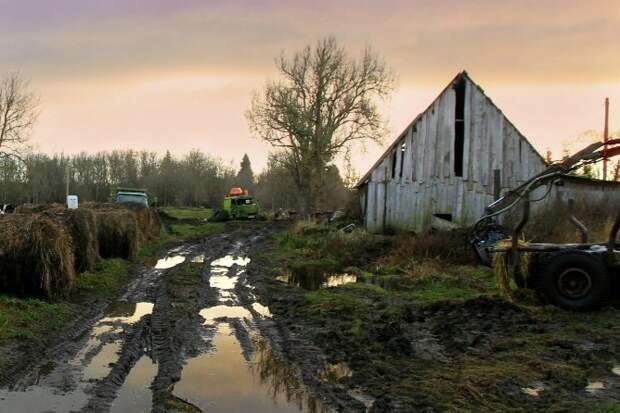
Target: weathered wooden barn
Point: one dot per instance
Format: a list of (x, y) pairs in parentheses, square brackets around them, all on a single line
[(456, 157)]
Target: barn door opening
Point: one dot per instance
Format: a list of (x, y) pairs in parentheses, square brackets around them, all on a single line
[(459, 125)]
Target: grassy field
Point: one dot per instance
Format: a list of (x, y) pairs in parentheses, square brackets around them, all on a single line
[(188, 213), (32, 320), (425, 327)]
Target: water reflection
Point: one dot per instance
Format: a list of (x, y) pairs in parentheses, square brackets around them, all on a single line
[(315, 281), (169, 262), (199, 258), (127, 313), (595, 386), (230, 260), (261, 309), (221, 311), (222, 381), (135, 395), (281, 379)]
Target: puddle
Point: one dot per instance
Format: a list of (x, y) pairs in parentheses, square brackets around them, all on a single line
[(230, 260), (223, 282), (595, 386), (169, 262), (532, 391), (41, 399), (220, 311), (616, 370), (223, 381), (315, 281), (261, 309), (127, 313), (99, 366), (135, 394), (336, 371)]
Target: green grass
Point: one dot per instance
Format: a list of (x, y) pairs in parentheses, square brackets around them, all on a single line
[(107, 278), (194, 231), (188, 213), (179, 232), (30, 318)]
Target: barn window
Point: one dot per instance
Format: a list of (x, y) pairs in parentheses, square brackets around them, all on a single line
[(459, 125), (403, 148), (394, 154)]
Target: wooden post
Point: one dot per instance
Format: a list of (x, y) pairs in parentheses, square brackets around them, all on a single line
[(67, 182), (606, 137)]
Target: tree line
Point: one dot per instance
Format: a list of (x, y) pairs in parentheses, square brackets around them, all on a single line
[(194, 179)]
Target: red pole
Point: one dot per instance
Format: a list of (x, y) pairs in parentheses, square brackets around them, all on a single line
[(606, 137)]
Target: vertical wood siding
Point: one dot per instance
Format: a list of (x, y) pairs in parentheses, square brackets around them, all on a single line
[(428, 184)]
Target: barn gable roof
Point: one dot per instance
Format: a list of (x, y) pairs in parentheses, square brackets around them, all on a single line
[(460, 75)]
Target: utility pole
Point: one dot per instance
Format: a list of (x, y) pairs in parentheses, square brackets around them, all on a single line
[(606, 137), (67, 181)]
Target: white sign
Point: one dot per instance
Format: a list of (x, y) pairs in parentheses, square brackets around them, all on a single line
[(72, 201)]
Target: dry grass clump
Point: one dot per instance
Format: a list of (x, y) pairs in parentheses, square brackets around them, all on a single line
[(36, 256), (82, 226), (502, 266), (148, 220), (447, 246), (118, 233), (309, 227)]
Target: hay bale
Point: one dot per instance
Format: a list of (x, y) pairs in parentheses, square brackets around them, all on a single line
[(36, 256), (148, 220), (118, 233), (82, 226)]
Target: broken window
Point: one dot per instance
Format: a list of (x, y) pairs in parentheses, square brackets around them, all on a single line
[(459, 125)]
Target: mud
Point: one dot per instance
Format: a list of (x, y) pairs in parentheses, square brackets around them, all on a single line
[(187, 335)]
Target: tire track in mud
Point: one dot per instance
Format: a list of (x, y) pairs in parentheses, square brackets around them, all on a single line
[(178, 332)]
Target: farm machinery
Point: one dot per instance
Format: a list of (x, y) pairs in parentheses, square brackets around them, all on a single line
[(575, 276), (238, 204)]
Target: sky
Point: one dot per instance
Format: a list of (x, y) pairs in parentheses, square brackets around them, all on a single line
[(176, 75)]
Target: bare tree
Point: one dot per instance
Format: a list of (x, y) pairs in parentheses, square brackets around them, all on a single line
[(323, 104), (18, 112)]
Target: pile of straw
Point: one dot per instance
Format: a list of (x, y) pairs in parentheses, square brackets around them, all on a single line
[(118, 233), (502, 266), (36, 256), (149, 223), (82, 226)]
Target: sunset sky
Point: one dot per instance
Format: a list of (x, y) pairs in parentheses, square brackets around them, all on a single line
[(157, 75)]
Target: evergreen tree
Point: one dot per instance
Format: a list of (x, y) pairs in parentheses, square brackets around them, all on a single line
[(245, 177)]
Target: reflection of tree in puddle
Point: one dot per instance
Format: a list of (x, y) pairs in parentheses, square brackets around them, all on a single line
[(282, 379), (314, 280)]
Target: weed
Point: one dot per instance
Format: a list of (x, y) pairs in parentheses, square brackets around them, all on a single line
[(30, 318), (188, 213), (107, 278)]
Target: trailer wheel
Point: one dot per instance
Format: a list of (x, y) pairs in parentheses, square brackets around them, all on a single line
[(575, 280)]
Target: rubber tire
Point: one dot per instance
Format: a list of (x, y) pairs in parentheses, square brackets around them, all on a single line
[(593, 266)]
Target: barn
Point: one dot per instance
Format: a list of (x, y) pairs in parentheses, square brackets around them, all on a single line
[(452, 160)]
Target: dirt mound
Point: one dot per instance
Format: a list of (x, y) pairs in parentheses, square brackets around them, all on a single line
[(118, 233), (81, 224), (36, 256)]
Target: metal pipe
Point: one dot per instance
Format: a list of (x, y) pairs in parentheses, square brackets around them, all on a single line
[(583, 230), (611, 246)]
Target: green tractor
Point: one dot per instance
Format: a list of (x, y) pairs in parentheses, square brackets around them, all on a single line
[(238, 204)]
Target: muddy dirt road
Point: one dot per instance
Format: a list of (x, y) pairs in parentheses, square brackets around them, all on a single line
[(188, 335)]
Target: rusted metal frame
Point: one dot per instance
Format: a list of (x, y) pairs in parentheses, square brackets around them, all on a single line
[(583, 230), (516, 234), (611, 245)]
